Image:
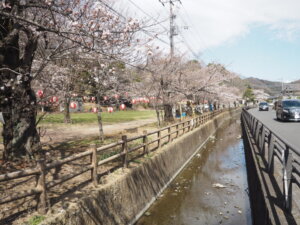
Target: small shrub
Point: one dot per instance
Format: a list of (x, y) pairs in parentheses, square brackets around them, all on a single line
[(107, 155), (35, 220)]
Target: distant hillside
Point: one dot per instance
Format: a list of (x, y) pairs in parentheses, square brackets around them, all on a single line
[(296, 82), (270, 87)]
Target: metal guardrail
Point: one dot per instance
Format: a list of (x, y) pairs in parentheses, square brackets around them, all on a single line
[(42, 169), (271, 145)]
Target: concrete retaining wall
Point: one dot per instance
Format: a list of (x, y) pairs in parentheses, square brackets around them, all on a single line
[(125, 200)]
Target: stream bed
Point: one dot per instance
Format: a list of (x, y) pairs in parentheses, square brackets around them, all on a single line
[(213, 187)]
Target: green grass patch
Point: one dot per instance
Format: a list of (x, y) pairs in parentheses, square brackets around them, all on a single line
[(35, 220), (82, 144), (107, 155), (137, 161), (116, 117), (148, 156)]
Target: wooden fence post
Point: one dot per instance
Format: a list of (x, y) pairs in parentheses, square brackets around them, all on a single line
[(125, 151), (159, 140), (94, 165), (177, 131), (145, 142), (41, 186), (169, 132)]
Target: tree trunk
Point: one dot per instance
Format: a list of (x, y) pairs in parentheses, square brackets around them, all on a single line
[(180, 111), (17, 99), (100, 124), (157, 115), (20, 136), (99, 117), (67, 116), (168, 113)]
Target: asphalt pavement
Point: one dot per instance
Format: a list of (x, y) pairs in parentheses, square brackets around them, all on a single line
[(288, 131)]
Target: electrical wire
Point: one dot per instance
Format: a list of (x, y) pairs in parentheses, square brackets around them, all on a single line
[(147, 14), (195, 30), (145, 31)]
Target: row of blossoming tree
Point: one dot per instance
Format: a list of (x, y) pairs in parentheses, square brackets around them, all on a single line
[(79, 46)]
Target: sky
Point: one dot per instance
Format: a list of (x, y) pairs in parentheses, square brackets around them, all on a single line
[(254, 38)]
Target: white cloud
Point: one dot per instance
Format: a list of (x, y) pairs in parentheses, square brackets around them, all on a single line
[(220, 21), (215, 22)]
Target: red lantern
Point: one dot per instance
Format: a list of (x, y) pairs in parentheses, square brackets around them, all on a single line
[(116, 96), (105, 98), (53, 99), (93, 99), (122, 106), (40, 93), (73, 105), (94, 109), (133, 101), (110, 109)]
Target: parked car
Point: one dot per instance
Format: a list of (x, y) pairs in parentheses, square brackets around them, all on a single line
[(288, 110), (263, 106)]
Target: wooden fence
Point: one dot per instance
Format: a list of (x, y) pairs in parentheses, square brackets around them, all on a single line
[(161, 137)]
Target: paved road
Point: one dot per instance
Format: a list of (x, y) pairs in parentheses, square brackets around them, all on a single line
[(289, 131)]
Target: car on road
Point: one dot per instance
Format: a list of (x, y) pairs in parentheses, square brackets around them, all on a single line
[(288, 110), (271, 105), (263, 106)]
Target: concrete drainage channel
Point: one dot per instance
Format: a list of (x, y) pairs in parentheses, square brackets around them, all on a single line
[(125, 200), (211, 189)]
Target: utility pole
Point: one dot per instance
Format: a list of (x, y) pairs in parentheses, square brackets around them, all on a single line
[(172, 26)]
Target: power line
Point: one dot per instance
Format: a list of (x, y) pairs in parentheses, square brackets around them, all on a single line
[(193, 37), (195, 30), (145, 31), (188, 46), (147, 14)]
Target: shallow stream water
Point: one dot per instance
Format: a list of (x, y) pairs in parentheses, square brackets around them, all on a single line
[(211, 190)]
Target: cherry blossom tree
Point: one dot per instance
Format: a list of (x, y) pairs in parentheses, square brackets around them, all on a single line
[(106, 78), (159, 77), (26, 26), (172, 80), (60, 82)]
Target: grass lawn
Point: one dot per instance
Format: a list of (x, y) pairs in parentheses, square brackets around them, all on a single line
[(116, 117)]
